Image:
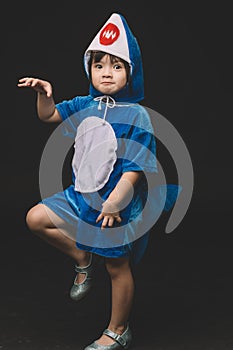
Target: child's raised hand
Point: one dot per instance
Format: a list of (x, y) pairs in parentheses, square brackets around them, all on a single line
[(38, 85)]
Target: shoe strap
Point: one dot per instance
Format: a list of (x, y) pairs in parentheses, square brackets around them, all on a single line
[(84, 269), (80, 269), (117, 337)]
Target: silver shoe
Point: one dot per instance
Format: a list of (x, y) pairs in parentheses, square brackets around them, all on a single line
[(123, 341), (79, 290)]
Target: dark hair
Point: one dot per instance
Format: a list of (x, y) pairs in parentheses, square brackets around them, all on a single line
[(96, 56)]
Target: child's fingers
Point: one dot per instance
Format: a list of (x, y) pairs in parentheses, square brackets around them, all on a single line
[(49, 91), (42, 86), (118, 218), (100, 217), (34, 82), (37, 84), (110, 221), (104, 223), (25, 82)]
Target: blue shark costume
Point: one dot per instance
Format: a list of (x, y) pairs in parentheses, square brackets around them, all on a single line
[(112, 135)]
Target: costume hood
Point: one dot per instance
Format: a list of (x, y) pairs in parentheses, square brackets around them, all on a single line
[(116, 38)]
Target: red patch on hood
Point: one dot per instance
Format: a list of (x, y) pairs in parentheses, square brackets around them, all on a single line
[(109, 34)]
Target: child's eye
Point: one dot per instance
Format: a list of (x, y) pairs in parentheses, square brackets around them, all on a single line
[(98, 66), (117, 66)]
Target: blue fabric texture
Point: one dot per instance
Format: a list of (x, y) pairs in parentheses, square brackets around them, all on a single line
[(136, 152)]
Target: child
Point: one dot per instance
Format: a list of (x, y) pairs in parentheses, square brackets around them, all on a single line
[(114, 149)]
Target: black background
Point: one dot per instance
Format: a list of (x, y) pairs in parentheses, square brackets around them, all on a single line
[(184, 283)]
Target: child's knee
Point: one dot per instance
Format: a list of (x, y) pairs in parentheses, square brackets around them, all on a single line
[(34, 218), (116, 266)]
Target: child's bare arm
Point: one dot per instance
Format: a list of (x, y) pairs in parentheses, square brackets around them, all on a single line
[(118, 198), (45, 103)]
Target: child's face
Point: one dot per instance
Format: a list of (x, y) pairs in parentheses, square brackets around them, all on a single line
[(108, 77)]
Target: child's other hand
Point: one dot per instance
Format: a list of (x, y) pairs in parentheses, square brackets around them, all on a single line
[(42, 86), (109, 214)]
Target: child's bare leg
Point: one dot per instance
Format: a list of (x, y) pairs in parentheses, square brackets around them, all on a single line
[(48, 226), (122, 296)]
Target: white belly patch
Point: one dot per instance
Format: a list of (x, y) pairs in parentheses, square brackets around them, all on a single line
[(95, 154)]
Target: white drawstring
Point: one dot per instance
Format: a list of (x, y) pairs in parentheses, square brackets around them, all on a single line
[(110, 103)]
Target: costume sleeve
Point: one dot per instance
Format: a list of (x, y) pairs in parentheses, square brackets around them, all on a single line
[(69, 111), (67, 108), (140, 147)]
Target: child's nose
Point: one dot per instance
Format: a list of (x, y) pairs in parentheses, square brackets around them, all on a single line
[(107, 72)]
